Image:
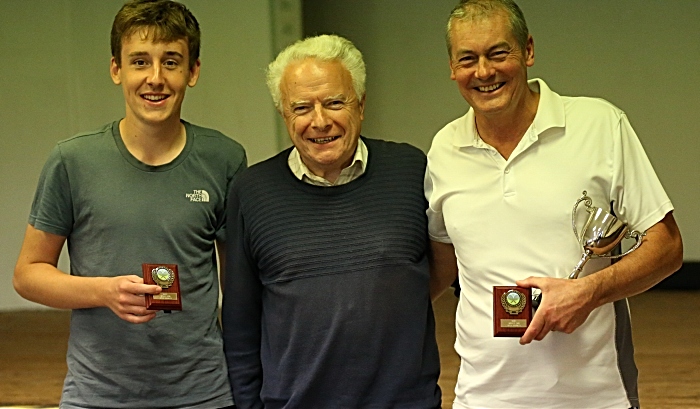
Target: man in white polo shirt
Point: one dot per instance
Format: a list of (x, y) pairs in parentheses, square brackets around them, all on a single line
[(501, 183)]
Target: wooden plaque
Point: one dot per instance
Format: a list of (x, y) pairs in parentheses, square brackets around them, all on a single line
[(512, 311), (166, 276)]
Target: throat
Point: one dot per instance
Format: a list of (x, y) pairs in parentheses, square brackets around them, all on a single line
[(154, 147)]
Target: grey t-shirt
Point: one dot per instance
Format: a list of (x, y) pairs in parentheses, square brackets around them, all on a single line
[(118, 213)]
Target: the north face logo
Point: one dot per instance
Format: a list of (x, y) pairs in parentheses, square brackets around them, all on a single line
[(198, 196)]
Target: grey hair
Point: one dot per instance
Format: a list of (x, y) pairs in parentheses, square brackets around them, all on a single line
[(325, 48), (476, 9)]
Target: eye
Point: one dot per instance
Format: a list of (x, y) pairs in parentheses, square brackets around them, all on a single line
[(336, 104), (466, 60), (139, 63), (300, 109), (499, 55), (170, 64)]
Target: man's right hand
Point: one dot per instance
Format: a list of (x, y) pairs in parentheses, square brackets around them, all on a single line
[(124, 296)]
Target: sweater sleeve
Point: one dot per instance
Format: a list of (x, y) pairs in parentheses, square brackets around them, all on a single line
[(241, 311)]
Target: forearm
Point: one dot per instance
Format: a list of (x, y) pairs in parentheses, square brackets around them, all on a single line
[(45, 284), (37, 279), (660, 255), (443, 268)]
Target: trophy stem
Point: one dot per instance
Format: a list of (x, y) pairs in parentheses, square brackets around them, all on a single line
[(586, 256)]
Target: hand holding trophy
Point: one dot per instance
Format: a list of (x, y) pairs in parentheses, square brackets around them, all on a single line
[(601, 233)]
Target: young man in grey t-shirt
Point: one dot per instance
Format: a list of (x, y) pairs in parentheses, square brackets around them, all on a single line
[(147, 189)]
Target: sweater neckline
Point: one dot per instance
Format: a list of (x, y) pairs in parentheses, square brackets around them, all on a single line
[(328, 190)]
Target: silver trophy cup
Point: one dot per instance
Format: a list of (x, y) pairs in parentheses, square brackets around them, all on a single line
[(600, 235)]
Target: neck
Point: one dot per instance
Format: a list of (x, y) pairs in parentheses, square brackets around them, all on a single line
[(330, 174), (504, 131), (153, 144)]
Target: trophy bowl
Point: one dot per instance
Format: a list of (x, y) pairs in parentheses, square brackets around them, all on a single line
[(601, 234)]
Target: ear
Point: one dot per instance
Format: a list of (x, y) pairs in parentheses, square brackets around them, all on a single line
[(194, 73), (452, 71), (114, 70), (530, 51)]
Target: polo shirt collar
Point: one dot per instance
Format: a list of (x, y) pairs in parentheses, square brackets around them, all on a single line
[(550, 111)]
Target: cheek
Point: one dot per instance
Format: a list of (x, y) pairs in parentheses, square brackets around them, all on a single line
[(299, 125), (462, 77), (347, 119)]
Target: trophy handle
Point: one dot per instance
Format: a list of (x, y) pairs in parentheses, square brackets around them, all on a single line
[(634, 234), (588, 253), (588, 204)]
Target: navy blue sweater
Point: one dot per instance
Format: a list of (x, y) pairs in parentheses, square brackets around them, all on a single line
[(326, 303)]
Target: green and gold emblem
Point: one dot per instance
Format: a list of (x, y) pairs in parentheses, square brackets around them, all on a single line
[(513, 301), (163, 276)]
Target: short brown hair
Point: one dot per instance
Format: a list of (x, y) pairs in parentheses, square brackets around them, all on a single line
[(471, 9), (165, 21)]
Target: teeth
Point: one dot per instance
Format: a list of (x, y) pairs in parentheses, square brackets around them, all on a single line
[(489, 88), (155, 97), (323, 140)]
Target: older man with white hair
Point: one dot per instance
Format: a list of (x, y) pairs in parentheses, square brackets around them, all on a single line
[(327, 286)]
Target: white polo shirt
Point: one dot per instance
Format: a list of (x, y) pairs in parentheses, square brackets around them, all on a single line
[(511, 219)]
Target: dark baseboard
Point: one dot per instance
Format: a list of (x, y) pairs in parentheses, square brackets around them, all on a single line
[(687, 278)]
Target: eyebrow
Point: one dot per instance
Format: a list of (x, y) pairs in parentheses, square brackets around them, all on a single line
[(337, 96), (502, 44), (342, 97), (144, 53), (300, 102)]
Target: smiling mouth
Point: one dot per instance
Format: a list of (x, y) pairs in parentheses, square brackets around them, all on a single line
[(490, 88), (155, 98), (324, 140)]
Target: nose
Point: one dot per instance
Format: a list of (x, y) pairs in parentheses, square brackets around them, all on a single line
[(155, 77), (320, 121), (484, 69)]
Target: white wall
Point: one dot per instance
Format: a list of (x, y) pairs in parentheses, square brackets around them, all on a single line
[(641, 55), (54, 82)]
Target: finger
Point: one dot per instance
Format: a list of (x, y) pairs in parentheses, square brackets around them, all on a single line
[(140, 289), (528, 282), (137, 318), (134, 278), (130, 301), (150, 289), (137, 310), (532, 330), (543, 333)]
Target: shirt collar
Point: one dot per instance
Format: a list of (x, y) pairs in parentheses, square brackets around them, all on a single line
[(302, 172)]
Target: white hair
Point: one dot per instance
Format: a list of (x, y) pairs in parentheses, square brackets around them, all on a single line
[(324, 48)]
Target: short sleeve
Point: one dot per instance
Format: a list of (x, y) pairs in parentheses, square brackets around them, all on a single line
[(638, 197), (436, 223), (52, 208)]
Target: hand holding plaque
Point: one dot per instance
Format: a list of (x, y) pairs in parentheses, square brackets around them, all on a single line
[(600, 235), (166, 276)]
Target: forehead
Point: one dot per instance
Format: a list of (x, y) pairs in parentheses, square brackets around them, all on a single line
[(147, 40), (311, 77), (479, 33)]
